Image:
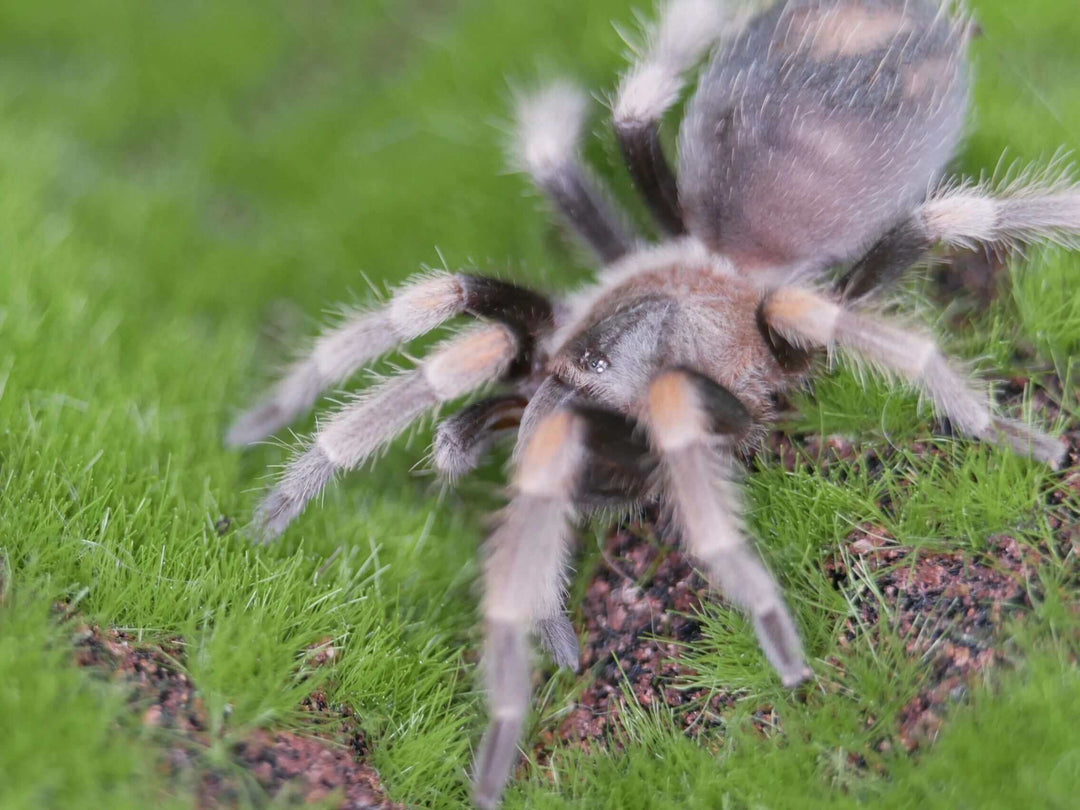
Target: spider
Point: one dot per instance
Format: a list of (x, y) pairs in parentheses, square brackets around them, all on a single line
[(810, 178)]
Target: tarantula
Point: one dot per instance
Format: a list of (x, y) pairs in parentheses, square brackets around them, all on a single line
[(810, 173)]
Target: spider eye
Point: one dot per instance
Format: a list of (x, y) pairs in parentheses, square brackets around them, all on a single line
[(595, 361)]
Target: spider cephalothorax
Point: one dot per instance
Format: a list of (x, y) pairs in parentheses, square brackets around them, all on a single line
[(808, 162)]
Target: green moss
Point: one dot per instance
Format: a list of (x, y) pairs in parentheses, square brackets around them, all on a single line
[(187, 184)]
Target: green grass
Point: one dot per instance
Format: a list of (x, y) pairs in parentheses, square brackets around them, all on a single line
[(185, 185)]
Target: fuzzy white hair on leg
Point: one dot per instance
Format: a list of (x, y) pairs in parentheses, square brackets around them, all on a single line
[(549, 127), (452, 457), (364, 427), (524, 582), (684, 33), (1030, 206), (812, 321), (700, 490), (416, 308), (462, 439)]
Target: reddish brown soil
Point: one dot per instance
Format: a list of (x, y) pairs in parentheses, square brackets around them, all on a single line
[(947, 607), (642, 592), (285, 765)]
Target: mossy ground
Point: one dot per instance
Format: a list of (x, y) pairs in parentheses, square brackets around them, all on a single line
[(185, 186)]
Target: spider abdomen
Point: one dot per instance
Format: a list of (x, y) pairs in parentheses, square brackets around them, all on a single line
[(819, 125)]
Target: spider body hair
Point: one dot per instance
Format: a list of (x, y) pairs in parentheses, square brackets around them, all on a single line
[(810, 178), (820, 121)]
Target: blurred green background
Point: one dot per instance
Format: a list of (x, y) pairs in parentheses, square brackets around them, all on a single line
[(185, 186)]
